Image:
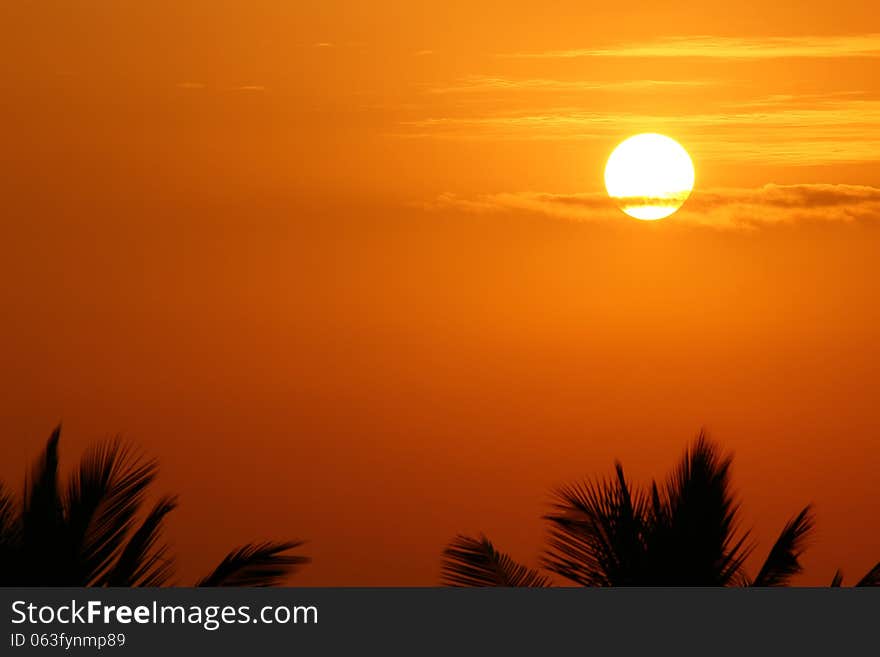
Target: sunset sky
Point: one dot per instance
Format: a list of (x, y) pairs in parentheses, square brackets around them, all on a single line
[(349, 270)]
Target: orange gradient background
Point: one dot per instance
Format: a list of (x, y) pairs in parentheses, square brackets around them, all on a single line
[(301, 254)]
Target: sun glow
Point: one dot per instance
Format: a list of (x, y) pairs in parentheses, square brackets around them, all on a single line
[(650, 176)]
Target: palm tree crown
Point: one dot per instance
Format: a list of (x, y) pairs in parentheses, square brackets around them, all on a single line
[(610, 533), (91, 533)]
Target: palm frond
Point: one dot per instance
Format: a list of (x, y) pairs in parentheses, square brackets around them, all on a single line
[(872, 578), (143, 562), (256, 564), (475, 562), (44, 560), (42, 503), (8, 517), (596, 533), (783, 562), (9, 537), (696, 543), (837, 580), (103, 498)]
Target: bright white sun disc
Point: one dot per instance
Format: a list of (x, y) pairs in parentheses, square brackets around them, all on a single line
[(650, 176)]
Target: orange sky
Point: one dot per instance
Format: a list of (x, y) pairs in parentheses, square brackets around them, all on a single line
[(350, 273)]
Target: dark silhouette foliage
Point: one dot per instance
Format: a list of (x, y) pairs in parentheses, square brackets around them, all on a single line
[(261, 564), (683, 532), (91, 533), (871, 578), (475, 562)]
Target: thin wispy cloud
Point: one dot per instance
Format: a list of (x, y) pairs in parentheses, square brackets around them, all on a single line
[(488, 84), (202, 85), (338, 45), (860, 45), (423, 53), (743, 208), (807, 132), (800, 100)]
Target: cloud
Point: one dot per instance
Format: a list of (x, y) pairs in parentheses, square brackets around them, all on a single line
[(861, 45), (486, 83), (423, 53), (323, 44), (249, 87), (718, 208), (782, 130)]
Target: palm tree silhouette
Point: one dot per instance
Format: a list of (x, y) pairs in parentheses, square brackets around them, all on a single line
[(89, 532), (872, 578), (608, 533), (475, 562)]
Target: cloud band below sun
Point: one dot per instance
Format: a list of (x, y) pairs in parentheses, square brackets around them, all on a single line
[(720, 47), (721, 208)]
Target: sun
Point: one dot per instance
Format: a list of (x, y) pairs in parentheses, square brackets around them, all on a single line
[(649, 175)]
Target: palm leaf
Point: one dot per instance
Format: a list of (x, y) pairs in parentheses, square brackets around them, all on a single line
[(597, 533), (42, 504), (783, 562), (475, 562), (103, 498), (695, 542), (44, 560), (256, 564), (872, 578), (8, 517), (9, 537), (837, 580), (142, 562)]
